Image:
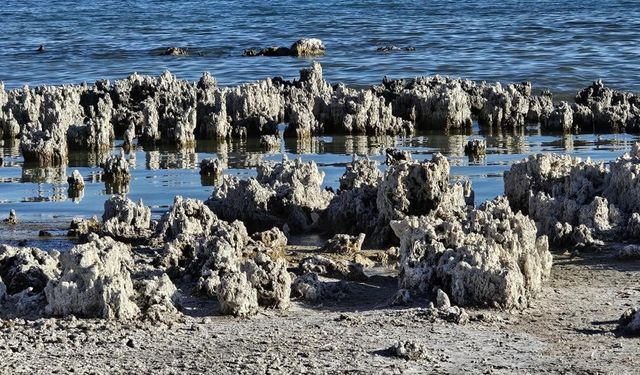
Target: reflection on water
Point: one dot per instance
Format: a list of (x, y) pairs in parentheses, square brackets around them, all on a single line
[(159, 173)]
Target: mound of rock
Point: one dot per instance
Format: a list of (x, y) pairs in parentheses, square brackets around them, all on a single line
[(95, 282), (352, 111), (475, 148), (444, 103), (212, 167), (413, 188), (629, 322), (310, 288), (125, 220), (241, 272), (598, 107), (576, 201), (26, 269), (288, 193), (158, 298), (116, 169), (75, 181), (367, 200), (486, 256), (410, 350), (353, 209), (300, 48), (344, 244), (308, 47)]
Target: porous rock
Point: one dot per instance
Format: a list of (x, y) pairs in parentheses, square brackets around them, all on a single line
[(410, 350), (308, 47), (236, 295), (337, 269), (344, 244), (95, 282), (116, 169), (125, 220), (241, 272), (289, 193), (26, 269), (310, 288), (158, 298), (485, 256)]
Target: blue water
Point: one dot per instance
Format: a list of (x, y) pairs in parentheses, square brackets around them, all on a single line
[(558, 45), (562, 47)]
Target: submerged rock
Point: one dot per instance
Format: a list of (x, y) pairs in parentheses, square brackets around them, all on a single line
[(75, 181), (300, 48), (175, 51), (270, 142), (12, 219), (476, 148), (392, 48), (485, 256), (212, 167)]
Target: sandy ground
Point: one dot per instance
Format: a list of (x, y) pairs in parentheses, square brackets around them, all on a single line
[(570, 329)]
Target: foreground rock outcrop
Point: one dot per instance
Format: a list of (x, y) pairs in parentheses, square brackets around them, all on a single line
[(242, 273), (486, 256), (95, 282)]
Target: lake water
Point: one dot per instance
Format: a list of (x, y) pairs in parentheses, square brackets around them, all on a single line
[(562, 47), (558, 45)]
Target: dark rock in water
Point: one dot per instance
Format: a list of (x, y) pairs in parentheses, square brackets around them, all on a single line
[(301, 48), (212, 167), (175, 51), (394, 155), (476, 148), (44, 233), (75, 181), (270, 142), (12, 219), (392, 48), (269, 51), (116, 169)]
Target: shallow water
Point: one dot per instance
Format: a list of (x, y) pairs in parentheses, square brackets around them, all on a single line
[(558, 45), (40, 194)]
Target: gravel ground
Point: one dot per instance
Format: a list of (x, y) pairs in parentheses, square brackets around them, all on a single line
[(570, 329)]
